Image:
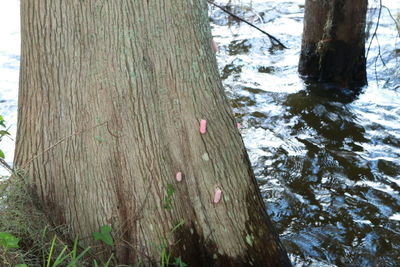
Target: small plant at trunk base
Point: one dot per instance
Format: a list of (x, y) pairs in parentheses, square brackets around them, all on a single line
[(7, 240), (168, 197), (28, 240), (178, 262), (167, 259), (166, 255), (64, 257), (104, 235)]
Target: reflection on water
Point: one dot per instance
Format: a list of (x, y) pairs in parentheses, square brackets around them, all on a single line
[(327, 161)]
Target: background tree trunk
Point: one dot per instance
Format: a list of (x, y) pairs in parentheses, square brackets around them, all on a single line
[(333, 46), (111, 95)]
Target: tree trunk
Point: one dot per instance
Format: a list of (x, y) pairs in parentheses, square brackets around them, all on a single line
[(111, 96), (333, 46)]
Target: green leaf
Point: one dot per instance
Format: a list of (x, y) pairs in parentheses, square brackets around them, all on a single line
[(104, 235), (168, 197), (179, 262), (7, 240), (2, 156), (2, 121), (4, 133), (21, 265)]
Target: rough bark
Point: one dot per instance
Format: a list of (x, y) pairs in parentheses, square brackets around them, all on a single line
[(144, 72), (333, 45)]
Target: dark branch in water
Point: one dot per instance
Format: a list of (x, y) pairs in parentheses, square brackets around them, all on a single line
[(271, 38), (5, 165), (376, 28), (375, 36), (394, 20)]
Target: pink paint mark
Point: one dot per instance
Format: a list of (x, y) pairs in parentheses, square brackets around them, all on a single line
[(203, 126), (215, 46), (238, 125), (217, 195), (178, 176)]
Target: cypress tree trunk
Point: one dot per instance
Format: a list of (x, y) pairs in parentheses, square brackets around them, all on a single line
[(333, 46), (111, 96)]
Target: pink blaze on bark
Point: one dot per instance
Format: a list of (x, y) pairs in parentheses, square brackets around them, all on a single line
[(203, 126), (178, 176), (217, 195), (215, 46)]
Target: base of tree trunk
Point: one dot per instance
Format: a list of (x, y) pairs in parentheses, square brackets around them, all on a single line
[(334, 62), (333, 45), (111, 98)]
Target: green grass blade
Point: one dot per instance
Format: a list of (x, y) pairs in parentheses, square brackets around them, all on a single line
[(75, 248), (75, 261), (51, 251), (109, 260), (61, 257), (42, 241)]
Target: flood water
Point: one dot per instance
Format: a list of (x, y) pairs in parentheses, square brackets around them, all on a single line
[(328, 167)]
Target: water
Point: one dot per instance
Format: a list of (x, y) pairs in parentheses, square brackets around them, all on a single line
[(9, 69), (328, 168)]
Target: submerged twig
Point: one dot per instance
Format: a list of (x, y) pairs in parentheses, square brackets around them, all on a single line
[(376, 27), (271, 38)]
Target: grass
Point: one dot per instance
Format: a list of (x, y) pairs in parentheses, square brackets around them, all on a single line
[(20, 218), (39, 244), (28, 240)]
